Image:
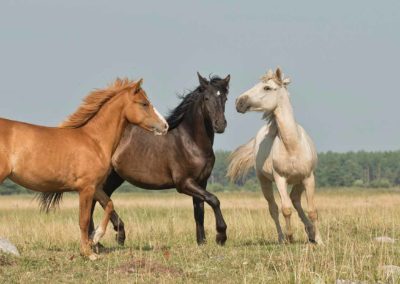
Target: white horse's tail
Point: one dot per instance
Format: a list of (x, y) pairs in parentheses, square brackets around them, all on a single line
[(241, 160)]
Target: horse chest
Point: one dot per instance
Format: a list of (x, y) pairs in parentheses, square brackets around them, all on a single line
[(293, 166)]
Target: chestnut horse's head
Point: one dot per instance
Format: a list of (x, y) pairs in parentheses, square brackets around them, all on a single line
[(141, 112)]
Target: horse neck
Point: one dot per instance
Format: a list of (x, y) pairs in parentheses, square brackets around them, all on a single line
[(286, 124), (107, 125), (199, 130)]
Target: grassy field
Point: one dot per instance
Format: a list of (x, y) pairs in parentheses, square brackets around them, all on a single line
[(161, 245)]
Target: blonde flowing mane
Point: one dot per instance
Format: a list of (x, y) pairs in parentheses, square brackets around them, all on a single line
[(94, 101)]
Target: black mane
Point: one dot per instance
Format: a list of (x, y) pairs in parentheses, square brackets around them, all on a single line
[(176, 116)]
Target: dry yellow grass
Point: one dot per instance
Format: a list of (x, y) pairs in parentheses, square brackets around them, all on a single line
[(161, 243)]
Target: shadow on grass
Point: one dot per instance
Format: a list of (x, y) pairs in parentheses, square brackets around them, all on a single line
[(100, 249)]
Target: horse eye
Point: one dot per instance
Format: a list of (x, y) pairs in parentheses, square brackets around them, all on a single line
[(267, 88), (206, 98), (145, 104)]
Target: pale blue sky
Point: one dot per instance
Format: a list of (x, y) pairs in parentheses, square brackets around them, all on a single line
[(343, 58)]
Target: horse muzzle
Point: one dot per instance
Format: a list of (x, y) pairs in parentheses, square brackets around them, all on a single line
[(242, 104), (161, 129)]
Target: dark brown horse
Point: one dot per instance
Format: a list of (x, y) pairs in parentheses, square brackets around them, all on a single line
[(182, 159)]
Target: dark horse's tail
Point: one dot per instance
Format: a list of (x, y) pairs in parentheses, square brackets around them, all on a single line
[(49, 200)]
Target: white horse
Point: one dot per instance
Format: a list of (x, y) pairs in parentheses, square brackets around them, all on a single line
[(281, 152)]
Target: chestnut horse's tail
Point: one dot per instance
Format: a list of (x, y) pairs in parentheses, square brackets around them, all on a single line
[(49, 200), (241, 160)]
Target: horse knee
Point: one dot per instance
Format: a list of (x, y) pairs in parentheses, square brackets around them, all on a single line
[(213, 201), (286, 211), (313, 215)]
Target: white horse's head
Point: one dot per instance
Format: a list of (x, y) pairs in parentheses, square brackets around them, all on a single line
[(265, 95)]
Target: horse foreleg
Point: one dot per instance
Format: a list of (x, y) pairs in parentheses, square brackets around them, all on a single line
[(267, 190), (309, 184), (198, 206), (108, 207), (192, 188), (281, 184), (295, 196), (85, 202)]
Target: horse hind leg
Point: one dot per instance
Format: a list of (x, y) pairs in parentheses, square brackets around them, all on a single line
[(5, 171), (295, 196), (309, 184)]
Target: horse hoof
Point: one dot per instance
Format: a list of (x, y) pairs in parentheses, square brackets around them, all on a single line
[(221, 239), (202, 242), (120, 238), (93, 257), (289, 238)]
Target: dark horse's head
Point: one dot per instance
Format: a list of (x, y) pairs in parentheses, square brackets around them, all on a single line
[(209, 98)]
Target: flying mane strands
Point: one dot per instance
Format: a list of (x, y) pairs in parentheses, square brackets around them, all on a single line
[(94, 101), (176, 115)]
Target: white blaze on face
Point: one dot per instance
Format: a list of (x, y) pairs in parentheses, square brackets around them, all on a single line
[(218, 93), (160, 117)]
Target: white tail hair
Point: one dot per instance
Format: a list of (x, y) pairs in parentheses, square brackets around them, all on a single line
[(241, 160)]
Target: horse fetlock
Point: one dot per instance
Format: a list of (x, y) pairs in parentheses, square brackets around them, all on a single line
[(120, 237), (221, 238), (310, 230), (98, 234)]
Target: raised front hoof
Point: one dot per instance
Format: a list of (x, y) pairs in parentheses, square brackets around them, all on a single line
[(221, 239), (120, 238)]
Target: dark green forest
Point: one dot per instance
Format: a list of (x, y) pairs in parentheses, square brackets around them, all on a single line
[(352, 169)]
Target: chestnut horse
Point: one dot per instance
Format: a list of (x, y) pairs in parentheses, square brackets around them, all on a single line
[(182, 159), (77, 155)]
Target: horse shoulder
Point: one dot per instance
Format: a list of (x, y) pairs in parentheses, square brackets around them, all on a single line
[(309, 152)]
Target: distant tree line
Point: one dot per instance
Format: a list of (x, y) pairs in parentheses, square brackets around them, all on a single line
[(358, 169)]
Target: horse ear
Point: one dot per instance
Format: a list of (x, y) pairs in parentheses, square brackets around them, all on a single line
[(138, 85), (227, 79), (203, 81), (278, 74), (286, 81)]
